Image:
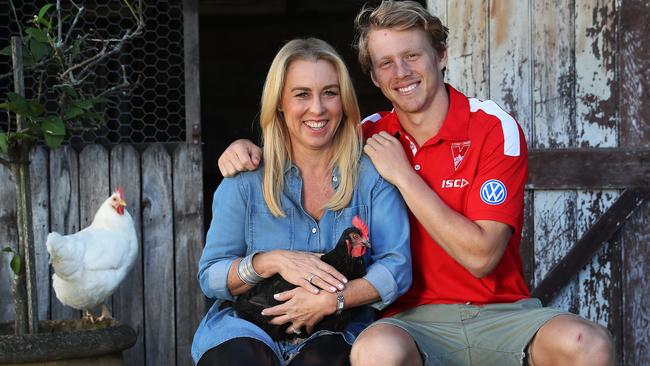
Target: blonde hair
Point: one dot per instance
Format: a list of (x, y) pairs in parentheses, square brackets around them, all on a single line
[(400, 15), (347, 138)]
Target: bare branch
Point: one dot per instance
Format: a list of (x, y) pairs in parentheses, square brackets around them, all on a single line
[(60, 20), (36, 66), (80, 11)]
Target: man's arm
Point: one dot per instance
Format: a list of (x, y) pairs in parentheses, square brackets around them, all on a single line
[(241, 155), (476, 245)]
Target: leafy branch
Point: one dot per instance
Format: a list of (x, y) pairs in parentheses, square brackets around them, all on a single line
[(69, 55)]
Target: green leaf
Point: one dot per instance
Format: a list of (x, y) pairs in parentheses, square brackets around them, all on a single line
[(44, 10), (16, 263), (18, 104), (37, 34), (84, 104), (70, 91), (4, 146), (8, 250), (39, 50), (73, 112), (6, 51), (53, 131)]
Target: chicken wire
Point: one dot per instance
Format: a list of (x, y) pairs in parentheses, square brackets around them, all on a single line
[(154, 111)]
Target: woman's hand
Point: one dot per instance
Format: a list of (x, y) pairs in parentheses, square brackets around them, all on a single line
[(301, 309), (302, 269)]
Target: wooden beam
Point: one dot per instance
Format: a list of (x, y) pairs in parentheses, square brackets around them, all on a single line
[(588, 168), (192, 71), (602, 230)]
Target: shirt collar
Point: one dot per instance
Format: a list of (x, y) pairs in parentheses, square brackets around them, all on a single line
[(292, 170), (456, 123), (454, 127)]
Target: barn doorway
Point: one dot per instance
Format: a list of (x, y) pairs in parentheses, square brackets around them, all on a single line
[(238, 40)]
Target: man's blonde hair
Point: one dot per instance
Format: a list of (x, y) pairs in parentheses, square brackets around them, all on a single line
[(347, 141), (398, 15)]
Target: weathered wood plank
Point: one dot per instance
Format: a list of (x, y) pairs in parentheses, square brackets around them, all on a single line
[(554, 219), (188, 245), (596, 89), (634, 61), (468, 63), (553, 127), (510, 60), (553, 75), (598, 292), (38, 170), (128, 299), (8, 238), (636, 288), (634, 66), (596, 126), (581, 253), (439, 9), (588, 168), (94, 187), (527, 245), (192, 71), (158, 248), (64, 209)]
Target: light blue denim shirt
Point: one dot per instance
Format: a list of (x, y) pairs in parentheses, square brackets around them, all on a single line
[(243, 224)]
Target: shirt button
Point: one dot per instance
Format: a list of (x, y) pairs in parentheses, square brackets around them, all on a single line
[(313, 230), (335, 179), (417, 167)]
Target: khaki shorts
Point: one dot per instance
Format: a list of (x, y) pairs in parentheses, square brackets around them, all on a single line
[(494, 334)]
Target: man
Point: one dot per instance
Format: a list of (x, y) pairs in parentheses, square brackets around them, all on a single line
[(460, 165)]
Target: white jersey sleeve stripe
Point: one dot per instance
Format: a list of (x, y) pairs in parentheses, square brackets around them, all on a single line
[(372, 118), (511, 143)]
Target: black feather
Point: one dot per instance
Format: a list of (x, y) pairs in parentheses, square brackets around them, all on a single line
[(250, 304)]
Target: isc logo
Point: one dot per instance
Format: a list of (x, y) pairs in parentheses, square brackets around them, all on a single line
[(454, 183)]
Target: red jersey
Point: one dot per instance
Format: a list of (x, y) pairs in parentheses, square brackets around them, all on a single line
[(478, 164)]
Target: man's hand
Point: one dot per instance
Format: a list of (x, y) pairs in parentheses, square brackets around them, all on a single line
[(388, 156), (241, 155)]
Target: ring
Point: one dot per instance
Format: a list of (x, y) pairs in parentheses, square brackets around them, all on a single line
[(311, 278)]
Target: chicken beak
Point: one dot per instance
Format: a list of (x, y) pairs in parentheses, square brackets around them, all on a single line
[(122, 203), (366, 243)]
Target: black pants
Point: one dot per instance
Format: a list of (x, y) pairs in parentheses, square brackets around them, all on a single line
[(329, 350)]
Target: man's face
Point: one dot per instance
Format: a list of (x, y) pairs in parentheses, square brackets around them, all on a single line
[(406, 68)]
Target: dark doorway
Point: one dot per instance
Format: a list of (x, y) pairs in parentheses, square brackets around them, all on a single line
[(238, 41)]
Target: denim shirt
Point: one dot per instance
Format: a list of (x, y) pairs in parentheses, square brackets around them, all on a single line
[(242, 224)]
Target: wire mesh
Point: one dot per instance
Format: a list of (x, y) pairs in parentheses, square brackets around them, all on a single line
[(154, 111)]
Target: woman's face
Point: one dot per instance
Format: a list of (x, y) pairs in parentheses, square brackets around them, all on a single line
[(311, 104)]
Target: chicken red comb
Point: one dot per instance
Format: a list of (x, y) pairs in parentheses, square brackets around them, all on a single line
[(120, 191), (359, 224)]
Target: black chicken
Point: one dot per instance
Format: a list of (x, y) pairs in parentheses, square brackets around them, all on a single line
[(346, 257)]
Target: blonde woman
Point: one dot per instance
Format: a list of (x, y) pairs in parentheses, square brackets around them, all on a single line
[(277, 220)]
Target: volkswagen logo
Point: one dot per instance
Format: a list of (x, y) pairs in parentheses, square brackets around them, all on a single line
[(493, 192)]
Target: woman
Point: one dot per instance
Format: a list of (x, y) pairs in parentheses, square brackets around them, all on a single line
[(277, 220)]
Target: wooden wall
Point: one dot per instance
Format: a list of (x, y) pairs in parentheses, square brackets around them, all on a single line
[(575, 74), (160, 297)]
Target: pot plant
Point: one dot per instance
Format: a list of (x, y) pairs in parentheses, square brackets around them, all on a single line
[(63, 58)]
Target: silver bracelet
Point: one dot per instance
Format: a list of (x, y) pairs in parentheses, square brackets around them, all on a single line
[(246, 272), (340, 302)]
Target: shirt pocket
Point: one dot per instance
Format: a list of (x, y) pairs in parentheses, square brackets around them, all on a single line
[(267, 232), (344, 220)]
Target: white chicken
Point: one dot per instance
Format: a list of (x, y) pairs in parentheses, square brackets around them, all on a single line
[(90, 264)]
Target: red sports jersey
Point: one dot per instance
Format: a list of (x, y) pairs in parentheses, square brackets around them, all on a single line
[(478, 165)]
